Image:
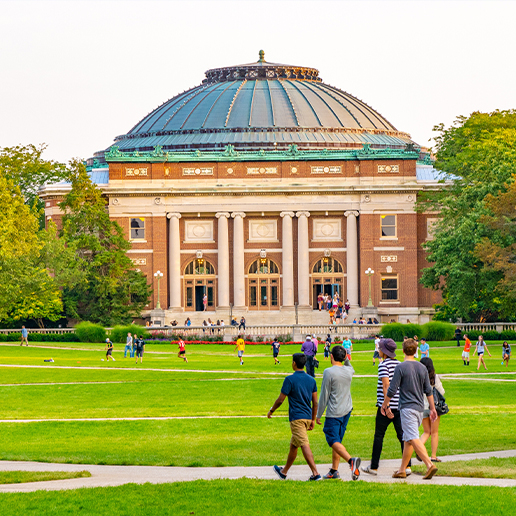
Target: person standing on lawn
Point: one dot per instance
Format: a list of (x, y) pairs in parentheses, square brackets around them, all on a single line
[(465, 352), (308, 349), (109, 350), (479, 350), (411, 378), (376, 354), (327, 346), (431, 428), (182, 350), (424, 348), (387, 352), (129, 346), (24, 336), (458, 333), (240, 346), (336, 400), (348, 346), (275, 346), (140, 348), (506, 353), (301, 390)]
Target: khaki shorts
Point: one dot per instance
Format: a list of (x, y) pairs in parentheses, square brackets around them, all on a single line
[(299, 429), (465, 355)]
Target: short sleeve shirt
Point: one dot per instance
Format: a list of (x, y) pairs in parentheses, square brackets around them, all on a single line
[(275, 347), (24, 333), (181, 345), (299, 387), (467, 346), (424, 348), (240, 344), (139, 344), (347, 344)]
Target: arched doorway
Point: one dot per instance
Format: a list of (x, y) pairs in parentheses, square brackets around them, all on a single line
[(328, 278), (199, 280), (263, 285)]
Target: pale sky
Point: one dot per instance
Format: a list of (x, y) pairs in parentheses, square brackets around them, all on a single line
[(76, 74)]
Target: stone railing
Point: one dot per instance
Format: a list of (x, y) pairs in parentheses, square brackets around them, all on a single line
[(496, 326)]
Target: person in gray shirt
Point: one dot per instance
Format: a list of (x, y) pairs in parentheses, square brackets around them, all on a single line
[(336, 400), (413, 382)]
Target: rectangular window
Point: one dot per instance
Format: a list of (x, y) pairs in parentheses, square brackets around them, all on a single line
[(389, 288), (388, 226), (189, 296), (138, 229), (252, 295), (274, 296)]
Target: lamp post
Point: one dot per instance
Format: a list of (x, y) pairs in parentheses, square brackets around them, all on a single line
[(369, 272), (158, 275)]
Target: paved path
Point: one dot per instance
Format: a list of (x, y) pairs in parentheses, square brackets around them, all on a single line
[(103, 476)]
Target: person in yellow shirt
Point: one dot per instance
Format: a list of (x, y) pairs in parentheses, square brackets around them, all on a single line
[(240, 345)]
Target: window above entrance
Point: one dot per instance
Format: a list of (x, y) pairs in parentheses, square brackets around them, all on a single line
[(263, 266), (327, 265)]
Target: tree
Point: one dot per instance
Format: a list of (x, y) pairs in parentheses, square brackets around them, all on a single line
[(478, 155), (112, 291)]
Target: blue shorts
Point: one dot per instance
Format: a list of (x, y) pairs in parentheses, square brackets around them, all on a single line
[(335, 428)]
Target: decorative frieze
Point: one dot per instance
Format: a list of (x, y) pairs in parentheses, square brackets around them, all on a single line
[(198, 231), (262, 230), (327, 229), (253, 171), (132, 172), (139, 261), (391, 258), (388, 169), (206, 171), (326, 170)]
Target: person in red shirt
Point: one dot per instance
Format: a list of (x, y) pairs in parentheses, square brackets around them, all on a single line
[(182, 350), (465, 352)]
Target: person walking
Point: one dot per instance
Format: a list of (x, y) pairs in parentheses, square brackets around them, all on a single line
[(109, 350), (347, 306), (424, 348), (376, 354), (128, 346), (320, 300), (431, 428), (308, 349), (204, 302), (24, 336), (480, 348), (348, 346), (465, 351), (316, 344), (506, 353), (327, 346), (275, 346), (182, 350), (240, 346), (458, 333), (411, 378), (139, 349), (387, 352), (301, 390), (336, 399)]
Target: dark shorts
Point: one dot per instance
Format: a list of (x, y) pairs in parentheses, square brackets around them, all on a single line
[(109, 351), (139, 352), (480, 353), (376, 354), (182, 352), (275, 355), (335, 428)]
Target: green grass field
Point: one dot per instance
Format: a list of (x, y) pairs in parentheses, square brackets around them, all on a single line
[(19, 477)]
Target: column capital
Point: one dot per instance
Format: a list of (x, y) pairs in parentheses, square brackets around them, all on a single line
[(223, 214), (170, 215), (238, 214), (287, 214), (303, 214), (354, 213)]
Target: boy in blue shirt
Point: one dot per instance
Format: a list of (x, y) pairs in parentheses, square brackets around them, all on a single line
[(301, 390), (425, 349)]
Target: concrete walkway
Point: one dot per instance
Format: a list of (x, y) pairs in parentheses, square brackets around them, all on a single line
[(104, 476)]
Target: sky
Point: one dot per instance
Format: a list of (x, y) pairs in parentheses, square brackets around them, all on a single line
[(74, 74)]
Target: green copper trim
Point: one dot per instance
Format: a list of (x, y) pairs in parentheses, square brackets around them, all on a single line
[(158, 155)]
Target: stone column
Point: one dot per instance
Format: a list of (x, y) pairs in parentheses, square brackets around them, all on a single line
[(238, 259), (303, 259), (352, 257), (223, 260), (287, 259), (174, 261)]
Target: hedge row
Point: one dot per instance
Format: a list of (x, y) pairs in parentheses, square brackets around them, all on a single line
[(40, 337)]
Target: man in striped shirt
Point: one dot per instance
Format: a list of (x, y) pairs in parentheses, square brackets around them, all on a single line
[(387, 351)]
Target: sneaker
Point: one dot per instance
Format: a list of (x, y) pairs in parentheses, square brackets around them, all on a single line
[(355, 467), (314, 478), (408, 471), (368, 470), (331, 475), (278, 472), (114, 360)]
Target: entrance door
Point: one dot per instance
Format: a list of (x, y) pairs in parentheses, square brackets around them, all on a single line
[(199, 294)]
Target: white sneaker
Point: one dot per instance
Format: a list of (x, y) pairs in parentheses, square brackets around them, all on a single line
[(114, 360), (408, 472), (367, 469)]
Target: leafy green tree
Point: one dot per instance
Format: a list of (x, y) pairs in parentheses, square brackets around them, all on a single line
[(112, 291), (478, 155)]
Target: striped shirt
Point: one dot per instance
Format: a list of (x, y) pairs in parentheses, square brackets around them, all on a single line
[(386, 370)]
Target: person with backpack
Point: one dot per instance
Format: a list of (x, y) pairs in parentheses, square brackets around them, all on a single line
[(309, 351), (140, 347)]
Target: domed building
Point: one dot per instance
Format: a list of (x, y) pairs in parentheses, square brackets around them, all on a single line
[(263, 187)]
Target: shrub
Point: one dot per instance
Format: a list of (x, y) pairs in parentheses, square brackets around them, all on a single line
[(508, 335), (89, 332), (396, 331), (119, 333), (436, 330)]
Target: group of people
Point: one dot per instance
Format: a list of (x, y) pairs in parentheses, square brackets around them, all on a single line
[(327, 302), (405, 397), (135, 346), (481, 349)]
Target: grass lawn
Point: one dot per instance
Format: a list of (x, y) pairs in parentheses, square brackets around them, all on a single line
[(19, 477), (479, 468), (251, 497)]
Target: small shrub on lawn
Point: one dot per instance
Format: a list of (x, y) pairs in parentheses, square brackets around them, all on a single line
[(396, 331), (119, 333), (437, 330), (508, 335), (89, 332)]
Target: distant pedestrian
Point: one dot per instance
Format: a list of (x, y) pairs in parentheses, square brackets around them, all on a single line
[(301, 390), (506, 353), (275, 346), (327, 346), (348, 346), (140, 348), (425, 349), (416, 340), (316, 344), (24, 336), (411, 378), (182, 350), (308, 349), (465, 351), (336, 400), (387, 352), (458, 333), (109, 350), (320, 301), (347, 306), (376, 354), (240, 346), (204, 302), (129, 346), (241, 326), (480, 349)]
